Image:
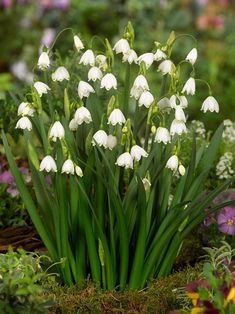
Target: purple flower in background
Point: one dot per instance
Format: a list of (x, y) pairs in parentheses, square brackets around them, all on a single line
[(209, 219), (61, 4), (226, 220), (6, 3), (48, 37)]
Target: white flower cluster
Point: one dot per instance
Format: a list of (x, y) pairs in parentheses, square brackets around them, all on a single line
[(199, 128), (229, 131), (224, 168)]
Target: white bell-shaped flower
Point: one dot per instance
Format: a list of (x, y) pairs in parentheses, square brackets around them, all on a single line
[(162, 135), (122, 46), (84, 89), (56, 131), (73, 125), (146, 99), (60, 74), (78, 43), (125, 160), (68, 167), (78, 171), (24, 123), (94, 74), (189, 87), (25, 109), (178, 127), (192, 56), (159, 55), (172, 163), (139, 86), (100, 138), (137, 152), (181, 170), (108, 81), (82, 114), (210, 104), (164, 103), (43, 61), (116, 117), (178, 100), (179, 114), (130, 57), (166, 67), (147, 58), (88, 58), (100, 60), (48, 164), (41, 88), (111, 141)]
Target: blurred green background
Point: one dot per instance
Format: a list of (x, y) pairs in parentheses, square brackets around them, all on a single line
[(25, 26)]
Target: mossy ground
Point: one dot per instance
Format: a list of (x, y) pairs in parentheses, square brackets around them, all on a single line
[(159, 297)]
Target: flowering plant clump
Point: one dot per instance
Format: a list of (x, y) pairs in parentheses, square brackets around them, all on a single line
[(110, 140)]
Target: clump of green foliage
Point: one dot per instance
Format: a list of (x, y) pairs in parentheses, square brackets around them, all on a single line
[(21, 277)]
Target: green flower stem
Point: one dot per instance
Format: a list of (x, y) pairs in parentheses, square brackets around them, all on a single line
[(126, 90)]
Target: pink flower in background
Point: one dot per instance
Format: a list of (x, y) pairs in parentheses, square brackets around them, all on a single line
[(48, 37), (226, 220), (61, 4), (6, 3)]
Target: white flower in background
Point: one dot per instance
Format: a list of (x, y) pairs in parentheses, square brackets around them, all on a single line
[(159, 55), (179, 114), (82, 114), (139, 86), (41, 88), (111, 141), (166, 67), (173, 163), (146, 99), (177, 127), (20, 70), (224, 168), (68, 167), (100, 60), (122, 46), (164, 104), (137, 152), (25, 109), (229, 131), (56, 131), (162, 135), (192, 56), (116, 117), (43, 61), (146, 183), (84, 89), (130, 57), (199, 128), (147, 58), (73, 125), (48, 164), (78, 43), (24, 123), (108, 81), (181, 170), (94, 74), (189, 87), (100, 138), (78, 171), (60, 74), (125, 160), (210, 104), (88, 58), (178, 100)]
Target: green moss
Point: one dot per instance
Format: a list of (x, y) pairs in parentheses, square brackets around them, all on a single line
[(158, 297)]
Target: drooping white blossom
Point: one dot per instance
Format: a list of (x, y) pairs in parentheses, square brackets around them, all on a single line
[(82, 114), (41, 88), (159, 55), (210, 104), (73, 125), (24, 123), (111, 141), (166, 67), (48, 164), (78, 43), (189, 87), (88, 58), (56, 131), (116, 117), (100, 138), (122, 46), (162, 135), (94, 74), (43, 61), (164, 104), (60, 74), (146, 99), (178, 100), (84, 89), (192, 56), (147, 58), (173, 163), (181, 170), (137, 152), (139, 86), (125, 160), (108, 81), (25, 109), (68, 167), (177, 127), (130, 57), (100, 60), (179, 114)]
